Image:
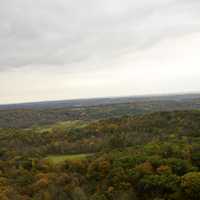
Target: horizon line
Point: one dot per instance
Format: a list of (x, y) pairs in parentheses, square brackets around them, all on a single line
[(106, 97)]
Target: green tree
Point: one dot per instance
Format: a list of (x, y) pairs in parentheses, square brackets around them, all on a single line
[(190, 184)]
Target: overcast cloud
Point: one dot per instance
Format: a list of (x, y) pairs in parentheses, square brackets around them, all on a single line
[(84, 48)]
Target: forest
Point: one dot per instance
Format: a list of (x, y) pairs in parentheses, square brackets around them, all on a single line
[(26, 116), (152, 156)]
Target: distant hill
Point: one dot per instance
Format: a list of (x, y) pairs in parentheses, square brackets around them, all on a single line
[(98, 101), (45, 113)]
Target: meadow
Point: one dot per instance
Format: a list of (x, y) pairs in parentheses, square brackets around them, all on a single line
[(61, 158)]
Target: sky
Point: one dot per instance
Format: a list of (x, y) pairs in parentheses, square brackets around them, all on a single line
[(67, 49)]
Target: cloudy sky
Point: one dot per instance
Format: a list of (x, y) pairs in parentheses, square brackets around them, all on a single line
[(68, 49)]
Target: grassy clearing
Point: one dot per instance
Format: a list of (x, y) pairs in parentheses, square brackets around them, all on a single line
[(60, 158), (63, 125)]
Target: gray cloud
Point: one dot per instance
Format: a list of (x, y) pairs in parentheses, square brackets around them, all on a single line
[(64, 32)]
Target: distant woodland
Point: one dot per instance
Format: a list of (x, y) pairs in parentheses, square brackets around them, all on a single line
[(27, 116)]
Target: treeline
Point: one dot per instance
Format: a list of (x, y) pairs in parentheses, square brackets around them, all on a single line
[(148, 157), (97, 136), (25, 118)]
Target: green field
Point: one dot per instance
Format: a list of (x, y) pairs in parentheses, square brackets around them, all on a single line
[(63, 125), (60, 158)]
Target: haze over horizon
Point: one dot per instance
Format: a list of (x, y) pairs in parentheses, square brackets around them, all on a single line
[(66, 49)]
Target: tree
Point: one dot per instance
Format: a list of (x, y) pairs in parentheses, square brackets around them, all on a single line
[(190, 184), (158, 185)]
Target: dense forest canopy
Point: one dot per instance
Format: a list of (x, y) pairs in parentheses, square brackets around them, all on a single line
[(151, 156)]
